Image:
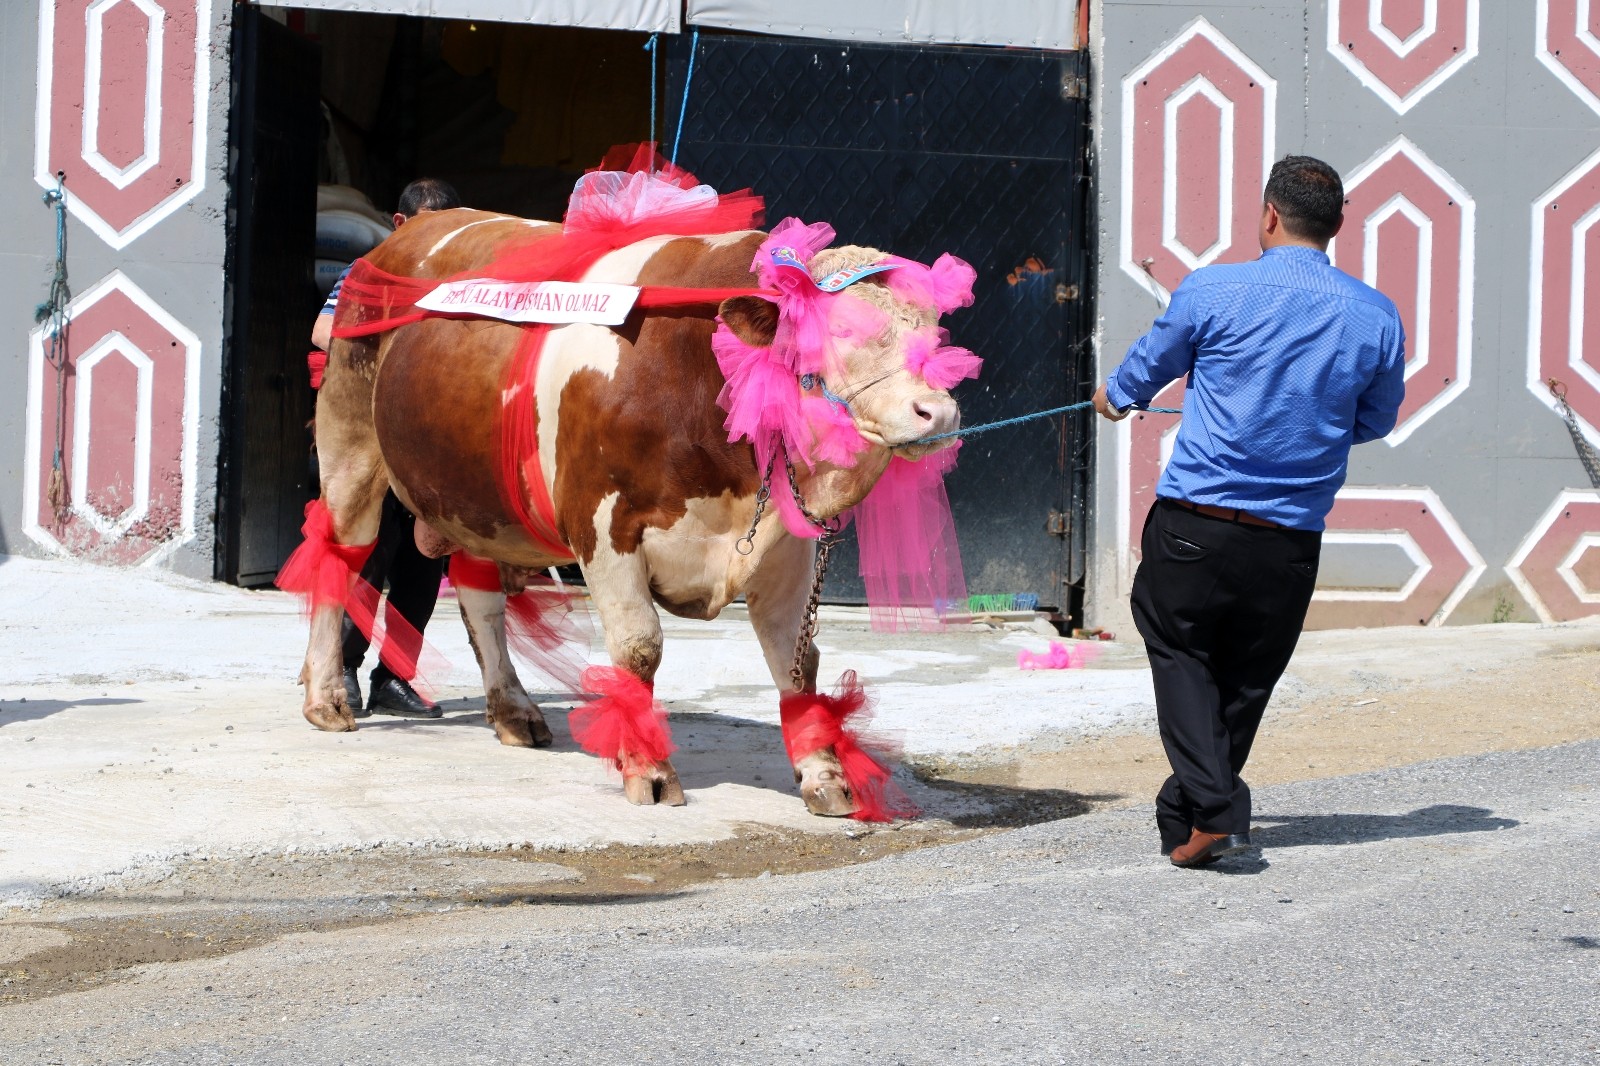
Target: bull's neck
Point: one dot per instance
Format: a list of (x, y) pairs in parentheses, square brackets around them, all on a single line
[(828, 491)]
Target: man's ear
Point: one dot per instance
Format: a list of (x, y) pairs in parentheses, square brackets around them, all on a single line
[(1271, 220), (751, 318), (1337, 226)]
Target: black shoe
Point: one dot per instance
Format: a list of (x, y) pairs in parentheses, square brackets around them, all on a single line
[(393, 696), (352, 694)]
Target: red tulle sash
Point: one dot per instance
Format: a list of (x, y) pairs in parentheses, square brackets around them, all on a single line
[(625, 726), (813, 721)]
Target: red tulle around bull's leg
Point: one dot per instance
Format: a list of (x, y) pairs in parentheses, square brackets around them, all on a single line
[(323, 572), (813, 721), (625, 726)]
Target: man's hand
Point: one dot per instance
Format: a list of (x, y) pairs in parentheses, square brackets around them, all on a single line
[(1103, 406)]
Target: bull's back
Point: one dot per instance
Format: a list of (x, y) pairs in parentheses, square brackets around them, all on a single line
[(629, 411)]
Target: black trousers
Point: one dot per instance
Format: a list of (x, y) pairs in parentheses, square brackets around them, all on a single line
[(413, 580), (1220, 605)]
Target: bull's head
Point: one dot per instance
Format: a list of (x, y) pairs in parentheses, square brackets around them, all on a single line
[(873, 367)]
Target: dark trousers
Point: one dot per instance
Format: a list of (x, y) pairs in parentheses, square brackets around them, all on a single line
[(1220, 605), (413, 580)]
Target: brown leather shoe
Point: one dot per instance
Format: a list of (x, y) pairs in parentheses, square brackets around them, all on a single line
[(1207, 847)]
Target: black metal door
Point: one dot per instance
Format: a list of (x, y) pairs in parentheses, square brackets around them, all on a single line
[(274, 127), (923, 150)]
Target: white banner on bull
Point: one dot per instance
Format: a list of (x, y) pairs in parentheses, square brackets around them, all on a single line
[(534, 301)]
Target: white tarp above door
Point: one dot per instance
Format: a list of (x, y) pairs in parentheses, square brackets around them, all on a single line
[(1019, 23), (651, 16)]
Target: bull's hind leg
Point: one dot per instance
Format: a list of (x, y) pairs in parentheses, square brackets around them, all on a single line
[(776, 597), (620, 588), (353, 483), (515, 717)]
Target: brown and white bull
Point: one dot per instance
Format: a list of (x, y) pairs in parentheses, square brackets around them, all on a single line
[(649, 496)]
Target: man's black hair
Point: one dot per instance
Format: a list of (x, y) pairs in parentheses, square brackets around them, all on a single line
[(1308, 195), (431, 194)]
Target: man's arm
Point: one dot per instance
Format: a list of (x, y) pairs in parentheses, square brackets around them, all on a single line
[(1378, 407), (1154, 361), (322, 332)]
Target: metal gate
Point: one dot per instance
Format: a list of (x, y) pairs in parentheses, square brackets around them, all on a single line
[(923, 150), (265, 479)]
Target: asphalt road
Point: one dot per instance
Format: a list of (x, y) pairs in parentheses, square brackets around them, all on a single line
[(1441, 913)]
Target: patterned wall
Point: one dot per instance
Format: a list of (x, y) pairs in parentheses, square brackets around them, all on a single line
[(1476, 498), (122, 113)]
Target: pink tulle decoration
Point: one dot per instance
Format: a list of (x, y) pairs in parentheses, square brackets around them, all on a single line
[(834, 437), (939, 364), (1059, 657), (947, 285), (910, 562)]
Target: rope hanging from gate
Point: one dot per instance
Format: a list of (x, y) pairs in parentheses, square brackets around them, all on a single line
[(651, 46), (683, 108), (1586, 452), (52, 314)]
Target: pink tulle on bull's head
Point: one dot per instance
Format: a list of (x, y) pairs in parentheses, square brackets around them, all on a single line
[(847, 369)]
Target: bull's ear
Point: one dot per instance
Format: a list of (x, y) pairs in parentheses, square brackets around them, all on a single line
[(752, 319)]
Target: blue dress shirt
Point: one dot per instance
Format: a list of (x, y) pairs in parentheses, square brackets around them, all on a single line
[(1290, 362)]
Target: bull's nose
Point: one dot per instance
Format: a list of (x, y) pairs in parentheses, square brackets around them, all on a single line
[(936, 416)]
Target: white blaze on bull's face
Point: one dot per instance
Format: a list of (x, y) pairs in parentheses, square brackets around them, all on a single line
[(872, 335)]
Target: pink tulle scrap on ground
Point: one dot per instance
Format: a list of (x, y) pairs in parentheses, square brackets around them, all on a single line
[(1059, 657)]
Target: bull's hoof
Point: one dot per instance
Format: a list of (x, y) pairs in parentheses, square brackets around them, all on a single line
[(522, 732), (823, 786), (517, 721), (329, 717), (651, 785)]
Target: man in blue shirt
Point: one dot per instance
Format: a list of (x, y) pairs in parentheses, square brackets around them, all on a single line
[(413, 578), (1290, 362)]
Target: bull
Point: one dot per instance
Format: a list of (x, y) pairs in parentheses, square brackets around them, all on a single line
[(642, 485)]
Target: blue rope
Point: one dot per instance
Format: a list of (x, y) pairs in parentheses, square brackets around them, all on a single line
[(650, 46), (688, 80), (987, 426), (809, 380)]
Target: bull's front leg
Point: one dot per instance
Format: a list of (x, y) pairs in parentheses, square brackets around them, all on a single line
[(776, 596), (626, 725), (516, 718)]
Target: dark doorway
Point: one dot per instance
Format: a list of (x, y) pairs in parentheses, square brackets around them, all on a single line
[(265, 476), (923, 150)]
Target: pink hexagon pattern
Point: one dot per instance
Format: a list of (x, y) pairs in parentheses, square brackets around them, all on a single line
[(1564, 294), (1567, 41), (129, 422), (1410, 231), (1197, 141), (1557, 566), (1403, 49), (1445, 563), (122, 108)]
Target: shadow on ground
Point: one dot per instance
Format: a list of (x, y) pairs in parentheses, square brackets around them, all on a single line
[(716, 749), (14, 711), (1299, 830)]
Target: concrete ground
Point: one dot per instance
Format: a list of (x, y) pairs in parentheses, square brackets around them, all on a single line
[(416, 892)]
